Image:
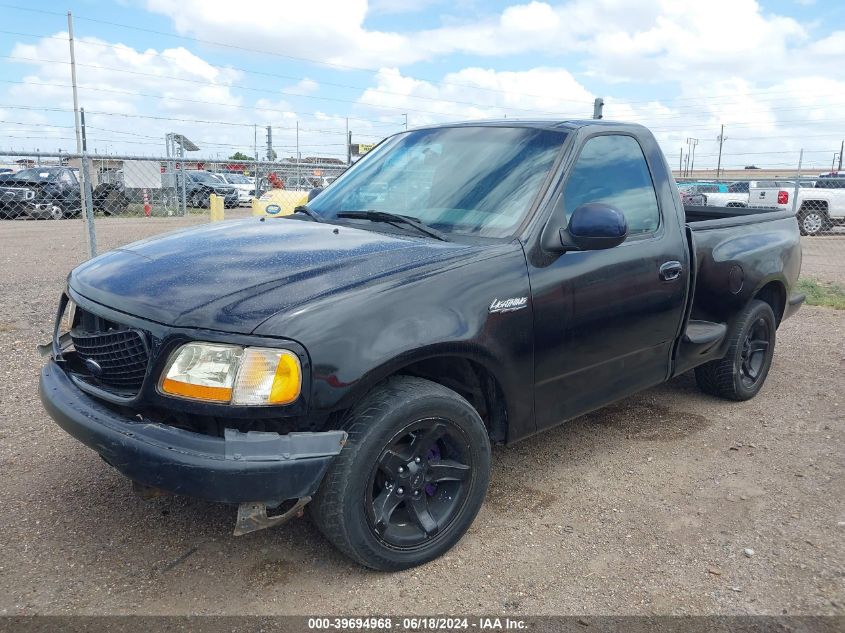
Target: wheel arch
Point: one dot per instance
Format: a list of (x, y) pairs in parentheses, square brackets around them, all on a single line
[(815, 205), (470, 375), (773, 292)]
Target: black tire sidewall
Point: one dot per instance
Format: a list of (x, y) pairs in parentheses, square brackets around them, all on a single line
[(448, 406), (756, 310)]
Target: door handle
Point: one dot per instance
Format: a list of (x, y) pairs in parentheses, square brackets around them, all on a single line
[(670, 271)]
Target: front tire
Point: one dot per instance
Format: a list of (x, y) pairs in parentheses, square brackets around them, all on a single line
[(741, 373), (411, 478), (56, 212)]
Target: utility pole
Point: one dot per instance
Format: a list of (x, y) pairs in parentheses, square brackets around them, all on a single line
[(841, 147), (77, 123), (255, 149), (269, 143), (83, 171), (405, 114), (686, 164), (298, 157), (681, 162), (82, 126), (692, 142), (348, 144), (598, 106), (721, 140)]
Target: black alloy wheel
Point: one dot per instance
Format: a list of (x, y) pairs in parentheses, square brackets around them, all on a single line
[(753, 353), (419, 483), (740, 374), (410, 479)]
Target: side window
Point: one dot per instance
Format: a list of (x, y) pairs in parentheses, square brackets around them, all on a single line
[(66, 177), (612, 169)]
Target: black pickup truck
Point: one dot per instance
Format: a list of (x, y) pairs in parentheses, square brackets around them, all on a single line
[(53, 193), (460, 285)]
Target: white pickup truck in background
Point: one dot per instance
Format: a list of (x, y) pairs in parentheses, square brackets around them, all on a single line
[(736, 196), (818, 208), (714, 194)]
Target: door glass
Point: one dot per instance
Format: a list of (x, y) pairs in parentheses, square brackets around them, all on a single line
[(612, 170)]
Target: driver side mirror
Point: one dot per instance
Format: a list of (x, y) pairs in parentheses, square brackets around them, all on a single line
[(594, 226), (316, 191)]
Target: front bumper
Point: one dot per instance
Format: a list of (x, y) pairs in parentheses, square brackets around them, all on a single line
[(238, 468)]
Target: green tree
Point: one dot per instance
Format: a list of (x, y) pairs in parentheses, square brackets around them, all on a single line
[(240, 156)]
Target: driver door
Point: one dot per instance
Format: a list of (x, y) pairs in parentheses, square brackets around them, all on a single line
[(606, 320)]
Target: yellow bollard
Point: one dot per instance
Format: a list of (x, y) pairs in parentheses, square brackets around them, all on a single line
[(215, 204)]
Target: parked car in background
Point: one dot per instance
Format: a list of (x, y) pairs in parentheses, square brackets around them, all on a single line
[(719, 194), (244, 185), (818, 208), (200, 184), (52, 193), (692, 199)]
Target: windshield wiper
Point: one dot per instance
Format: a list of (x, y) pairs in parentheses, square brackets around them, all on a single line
[(391, 218), (311, 214)]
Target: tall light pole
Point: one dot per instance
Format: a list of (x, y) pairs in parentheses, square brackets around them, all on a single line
[(692, 142), (721, 140), (404, 114)]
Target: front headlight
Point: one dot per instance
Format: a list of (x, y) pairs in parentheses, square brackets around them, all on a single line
[(66, 323), (232, 374)]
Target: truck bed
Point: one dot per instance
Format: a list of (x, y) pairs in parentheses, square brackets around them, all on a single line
[(711, 217), (735, 252)]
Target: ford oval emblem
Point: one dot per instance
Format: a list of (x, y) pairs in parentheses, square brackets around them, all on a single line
[(273, 209), (93, 367)]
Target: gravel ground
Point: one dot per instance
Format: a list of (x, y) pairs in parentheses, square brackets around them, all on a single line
[(647, 507), (824, 257)]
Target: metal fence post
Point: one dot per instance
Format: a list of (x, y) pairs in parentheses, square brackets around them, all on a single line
[(183, 206), (797, 184), (88, 205)]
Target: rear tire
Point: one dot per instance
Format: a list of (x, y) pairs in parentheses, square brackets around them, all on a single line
[(741, 373), (811, 222), (411, 478)]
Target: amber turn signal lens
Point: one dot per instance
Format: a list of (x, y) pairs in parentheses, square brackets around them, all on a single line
[(197, 392), (267, 376)]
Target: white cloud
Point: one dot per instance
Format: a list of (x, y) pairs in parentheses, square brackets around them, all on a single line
[(476, 93), (765, 124), (630, 40), (304, 86), (396, 7)]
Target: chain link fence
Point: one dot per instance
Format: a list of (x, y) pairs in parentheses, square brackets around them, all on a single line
[(104, 190), (58, 186), (815, 197)]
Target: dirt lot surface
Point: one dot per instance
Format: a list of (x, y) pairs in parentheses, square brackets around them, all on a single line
[(824, 257), (651, 506)]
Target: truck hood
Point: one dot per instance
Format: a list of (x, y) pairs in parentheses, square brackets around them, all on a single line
[(232, 276)]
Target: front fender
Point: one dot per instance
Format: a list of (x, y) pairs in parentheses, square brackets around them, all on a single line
[(357, 339)]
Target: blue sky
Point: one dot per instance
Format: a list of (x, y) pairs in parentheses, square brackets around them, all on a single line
[(770, 71)]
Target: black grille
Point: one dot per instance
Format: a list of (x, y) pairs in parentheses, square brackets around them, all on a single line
[(118, 357), (16, 194)]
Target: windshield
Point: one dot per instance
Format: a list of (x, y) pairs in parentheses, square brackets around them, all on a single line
[(36, 173), (471, 180), (204, 176)]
